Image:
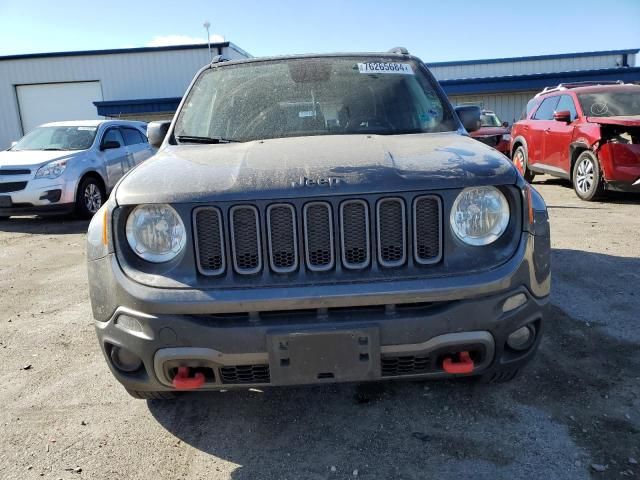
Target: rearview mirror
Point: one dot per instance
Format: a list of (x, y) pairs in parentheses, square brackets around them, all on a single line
[(562, 116), (110, 145), (469, 116), (156, 131)]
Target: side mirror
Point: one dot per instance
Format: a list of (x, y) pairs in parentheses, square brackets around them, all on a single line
[(562, 116), (13, 144), (505, 124), (469, 116), (110, 145), (156, 131)]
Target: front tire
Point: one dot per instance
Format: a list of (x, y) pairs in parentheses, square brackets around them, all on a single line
[(521, 163), (587, 177), (501, 375), (91, 196), (151, 395)]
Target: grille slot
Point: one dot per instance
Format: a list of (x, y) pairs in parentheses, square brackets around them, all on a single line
[(354, 234), (427, 230), (283, 240), (209, 241), (12, 187), (14, 171), (245, 239), (245, 374), (405, 365), (392, 232), (318, 238)]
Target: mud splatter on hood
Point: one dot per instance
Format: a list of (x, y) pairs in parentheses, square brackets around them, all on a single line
[(314, 166)]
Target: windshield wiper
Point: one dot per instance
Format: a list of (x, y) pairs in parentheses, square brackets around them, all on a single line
[(195, 139), (52, 149)]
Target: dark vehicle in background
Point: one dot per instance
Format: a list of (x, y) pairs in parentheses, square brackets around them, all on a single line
[(316, 219), (493, 132), (586, 132)]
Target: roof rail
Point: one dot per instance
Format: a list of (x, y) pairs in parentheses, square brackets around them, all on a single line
[(399, 50), (218, 59), (566, 86)]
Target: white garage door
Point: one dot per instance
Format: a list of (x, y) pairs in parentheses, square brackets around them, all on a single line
[(54, 102)]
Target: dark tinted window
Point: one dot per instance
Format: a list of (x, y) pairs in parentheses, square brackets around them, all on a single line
[(113, 135), (546, 109), (619, 102), (132, 136), (531, 104), (566, 104)]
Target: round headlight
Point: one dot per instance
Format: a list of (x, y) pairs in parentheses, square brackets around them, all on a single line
[(479, 215), (156, 232)]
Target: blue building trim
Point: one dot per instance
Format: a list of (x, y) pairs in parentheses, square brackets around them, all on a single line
[(114, 108), (112, 51), (519, 83), (455, 63)]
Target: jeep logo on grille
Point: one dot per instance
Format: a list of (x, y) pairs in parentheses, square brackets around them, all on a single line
[(320, 181)]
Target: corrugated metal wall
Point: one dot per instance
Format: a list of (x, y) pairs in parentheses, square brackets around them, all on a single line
[(123, 76), (508, 106)]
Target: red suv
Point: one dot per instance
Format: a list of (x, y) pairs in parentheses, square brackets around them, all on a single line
[(586, 132)]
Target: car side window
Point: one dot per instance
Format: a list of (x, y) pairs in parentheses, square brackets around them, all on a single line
[(566, 104), (546, 109), (132, 136), (113, 135)]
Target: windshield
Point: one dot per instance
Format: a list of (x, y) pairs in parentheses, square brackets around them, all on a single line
[(312, 96), (57, 138), (610, 104), (490, 120)]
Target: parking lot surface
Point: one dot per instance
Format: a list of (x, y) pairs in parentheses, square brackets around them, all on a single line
[(573, 413)]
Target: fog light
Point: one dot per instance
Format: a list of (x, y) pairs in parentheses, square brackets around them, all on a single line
[(514, 302), (522, 338), (124, 360)]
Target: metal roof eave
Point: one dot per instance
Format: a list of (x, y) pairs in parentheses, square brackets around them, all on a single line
[(519, 83)]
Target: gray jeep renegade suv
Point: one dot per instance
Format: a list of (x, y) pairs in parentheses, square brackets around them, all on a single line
[(314, 219)]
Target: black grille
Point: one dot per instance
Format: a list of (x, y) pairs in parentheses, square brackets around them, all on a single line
[(231, 238), (406, 365), (391, 232), (427, 225), (12, 187), (13, 171), (245, 374), (210, 248), (283, 251), (245, 239), (354, 231), (318, 226)]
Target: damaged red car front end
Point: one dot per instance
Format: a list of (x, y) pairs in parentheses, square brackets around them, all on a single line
[(618, 150)]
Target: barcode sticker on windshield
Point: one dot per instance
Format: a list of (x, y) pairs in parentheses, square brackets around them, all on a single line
[(385, 67)]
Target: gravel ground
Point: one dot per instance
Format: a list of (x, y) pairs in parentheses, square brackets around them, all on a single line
[(574, 411)]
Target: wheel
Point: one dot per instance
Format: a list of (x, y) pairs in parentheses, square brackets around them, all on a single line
[(151, 395), (499, 376), (91, 196), (587, 178), (520, 161)]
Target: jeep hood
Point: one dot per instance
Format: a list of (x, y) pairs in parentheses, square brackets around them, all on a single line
[(294, 167)]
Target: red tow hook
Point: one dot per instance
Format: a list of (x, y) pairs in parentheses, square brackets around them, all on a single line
[(463, 365), (182, 381)]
